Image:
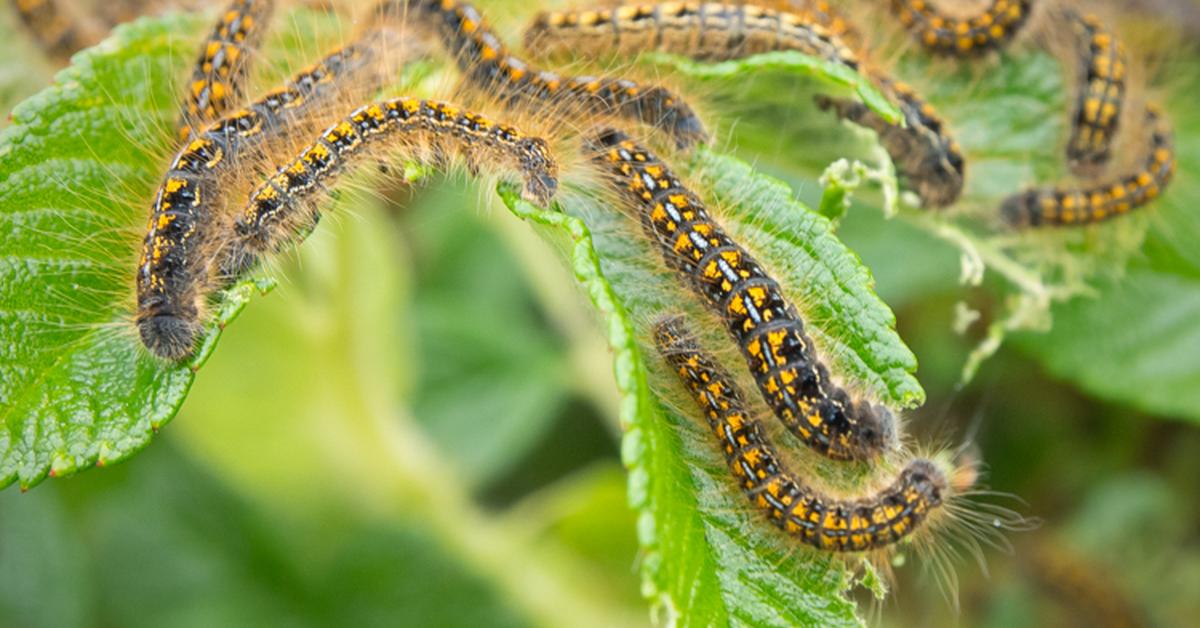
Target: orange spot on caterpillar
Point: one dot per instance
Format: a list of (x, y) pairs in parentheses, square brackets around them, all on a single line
[(940, 34), (492, 69), (175, 275), (765, 325), (707, 31), (285, 204), (219, 79), (1056, 206), (788, 502), (1101, 94)]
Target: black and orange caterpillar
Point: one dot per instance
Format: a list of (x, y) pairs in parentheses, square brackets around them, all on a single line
[(765, 325), (1060, 206), (873, 522), (701, 30), (925, 154), (923, 150), (219, 78), (1101, 94), (286, 203), (943, 34), (495, 71), (173, 277)]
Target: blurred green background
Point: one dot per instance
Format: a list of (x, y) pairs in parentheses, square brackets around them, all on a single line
[(418, 428)]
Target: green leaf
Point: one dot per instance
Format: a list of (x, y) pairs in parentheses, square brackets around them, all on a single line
[(784, 65), (512, 363), (1137, 342), (77, 169), (1136, 339), (706, 558), (194, 549)]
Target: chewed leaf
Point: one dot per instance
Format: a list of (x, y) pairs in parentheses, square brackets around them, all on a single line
[(78, 169), (706, 558)]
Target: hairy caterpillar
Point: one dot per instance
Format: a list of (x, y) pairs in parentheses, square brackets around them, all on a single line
[(1103, 63), (492, 69), (56, 31), (283, 205), (1063, 206), (765, 325), (173, 276), (872, 522), (924, 153), (942, 34), (703, 30), (219, 78)]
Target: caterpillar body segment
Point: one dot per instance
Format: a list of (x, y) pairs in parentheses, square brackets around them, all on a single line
[(286, 203), (55, 30), (702, 30), (1060, 206), (173, 276), (765, 325), (930, 160), (492, 69), (857, 525), (944, 34), (1103, 65), (218, 81)]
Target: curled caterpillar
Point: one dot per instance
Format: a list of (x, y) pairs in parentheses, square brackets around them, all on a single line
[(924, 152), (1064, 206), (1103, 63), (219, 78), (705, 30), (491, 68), (872, 522), (765, 325), (941, 34), (285, 203), (172, 275), (55, 30)]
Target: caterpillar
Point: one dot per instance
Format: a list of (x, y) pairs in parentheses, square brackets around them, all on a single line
[(56, 31), (219, 77), (491, 68), (930, 160), (703, 30), (858, 525), (942, 34), (923, 151), (1097, 113), (172, 274), (765, 325), (1063, 206), (284, 204)]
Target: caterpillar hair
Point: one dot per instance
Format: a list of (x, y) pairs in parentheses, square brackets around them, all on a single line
[(285, 205), (1042, 206), (492, 69), (1101, 95), (930, 160), (872, 522), (173, 276), (942, 34), (219, 78), (704, 30), (765, 325)]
